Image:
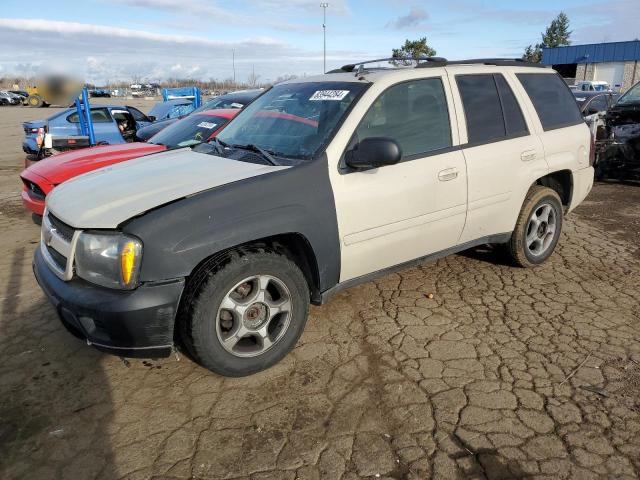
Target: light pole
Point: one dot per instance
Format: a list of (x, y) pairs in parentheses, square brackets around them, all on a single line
[(324, 35), (233, 60)]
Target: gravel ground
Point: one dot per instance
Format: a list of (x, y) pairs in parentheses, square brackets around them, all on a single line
[(504, 373)]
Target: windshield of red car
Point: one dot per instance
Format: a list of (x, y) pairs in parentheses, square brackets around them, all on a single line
[(293, 120), (191, 130)]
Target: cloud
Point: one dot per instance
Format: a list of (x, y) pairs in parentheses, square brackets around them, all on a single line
[(605, 22), (415, 18), (336, 7), (67, 29), (100, 53), (276, 14)]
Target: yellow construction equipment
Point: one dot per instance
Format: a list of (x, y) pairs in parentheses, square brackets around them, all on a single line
[(52, 91)]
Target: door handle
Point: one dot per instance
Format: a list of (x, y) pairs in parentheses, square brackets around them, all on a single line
[(528, 155), (448, 174)]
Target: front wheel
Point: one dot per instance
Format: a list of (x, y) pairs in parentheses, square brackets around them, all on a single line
[(538, 227), (246, 316), (35, 101)]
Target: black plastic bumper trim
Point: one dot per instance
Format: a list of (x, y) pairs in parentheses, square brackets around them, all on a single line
[(135, 323)]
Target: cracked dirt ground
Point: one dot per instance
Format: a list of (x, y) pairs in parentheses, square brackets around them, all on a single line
[(504, 373)]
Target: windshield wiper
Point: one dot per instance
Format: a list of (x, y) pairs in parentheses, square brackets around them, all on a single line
[(254, 148), (219, 144)]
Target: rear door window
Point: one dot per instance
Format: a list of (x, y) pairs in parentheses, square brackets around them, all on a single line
[(414, 114), (552, 99), (98, 115), (482, 110)]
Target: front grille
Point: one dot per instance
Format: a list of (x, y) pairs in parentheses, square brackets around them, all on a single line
[(64, 230), (34, 190), (61, 260)]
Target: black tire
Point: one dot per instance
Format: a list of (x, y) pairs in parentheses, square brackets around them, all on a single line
[(35, 101), (202, 299), (517, 248)]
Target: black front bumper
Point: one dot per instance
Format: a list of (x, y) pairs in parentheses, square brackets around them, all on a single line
[(135, 323)]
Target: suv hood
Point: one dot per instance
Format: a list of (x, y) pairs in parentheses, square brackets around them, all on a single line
[(63, 166), (107, 197)]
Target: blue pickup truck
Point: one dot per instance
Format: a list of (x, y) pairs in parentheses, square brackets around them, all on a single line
[(112, 124)]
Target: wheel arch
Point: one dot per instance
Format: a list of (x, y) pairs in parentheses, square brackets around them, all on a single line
[(562, 182), (295, 246)]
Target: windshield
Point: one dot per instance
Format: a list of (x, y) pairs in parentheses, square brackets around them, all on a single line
[(293, 120), (225, 101), (189, 131), (160, 110), (632, 96)]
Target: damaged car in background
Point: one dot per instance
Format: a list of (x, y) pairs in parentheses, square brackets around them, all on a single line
[(617, 135)]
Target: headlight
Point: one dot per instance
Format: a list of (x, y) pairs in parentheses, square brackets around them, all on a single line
[(109, 259)]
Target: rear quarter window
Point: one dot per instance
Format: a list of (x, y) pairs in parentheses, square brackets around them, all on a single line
[(555, 104)]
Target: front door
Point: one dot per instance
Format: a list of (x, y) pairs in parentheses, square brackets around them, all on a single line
[(401, 212)]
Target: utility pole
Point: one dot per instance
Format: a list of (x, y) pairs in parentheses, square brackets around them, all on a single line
[(233, 59), (324, 35)]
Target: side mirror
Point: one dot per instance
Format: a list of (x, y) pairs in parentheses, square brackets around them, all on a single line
[(374, 152), (151, 118)]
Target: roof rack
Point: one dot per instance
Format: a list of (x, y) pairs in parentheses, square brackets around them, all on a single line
[(504, 62), (352, 66), (430, 62)]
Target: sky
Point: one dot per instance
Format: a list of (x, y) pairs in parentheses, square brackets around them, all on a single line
[(153, 40)]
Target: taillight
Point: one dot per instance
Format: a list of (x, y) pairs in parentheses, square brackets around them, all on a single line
[(39, 135)]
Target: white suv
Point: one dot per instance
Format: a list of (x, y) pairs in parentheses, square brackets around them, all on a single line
[(319, 184)]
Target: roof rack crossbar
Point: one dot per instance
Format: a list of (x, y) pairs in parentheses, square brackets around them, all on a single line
[(352, 66)]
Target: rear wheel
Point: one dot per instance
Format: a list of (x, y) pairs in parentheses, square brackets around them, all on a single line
[(538, 227), (247, 315), (35, 101)]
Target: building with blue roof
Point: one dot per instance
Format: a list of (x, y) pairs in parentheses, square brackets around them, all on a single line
[(616, 63)]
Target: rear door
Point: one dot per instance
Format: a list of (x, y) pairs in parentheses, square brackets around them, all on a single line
[(69, 125), (502, 152)]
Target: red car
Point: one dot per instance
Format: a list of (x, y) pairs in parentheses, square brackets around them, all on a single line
[(41, 177)]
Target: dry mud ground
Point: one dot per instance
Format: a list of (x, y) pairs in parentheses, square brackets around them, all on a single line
[(504, 373)]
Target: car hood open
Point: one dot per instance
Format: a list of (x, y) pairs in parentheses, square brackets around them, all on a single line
[(107, 197)]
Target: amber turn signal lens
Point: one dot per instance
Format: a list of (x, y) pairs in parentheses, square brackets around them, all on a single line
[(128, 261)]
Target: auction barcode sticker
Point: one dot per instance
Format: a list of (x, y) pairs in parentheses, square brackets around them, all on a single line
[(336, 95), (207, 125)]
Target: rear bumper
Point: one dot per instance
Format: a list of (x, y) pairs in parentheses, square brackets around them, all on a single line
[(582, 184), (136, 323), (33, 204)]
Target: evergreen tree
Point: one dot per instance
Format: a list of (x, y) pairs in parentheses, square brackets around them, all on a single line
[(556, 35), (412, 49)]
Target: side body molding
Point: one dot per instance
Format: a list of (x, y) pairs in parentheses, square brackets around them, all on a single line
[(181, 234)]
